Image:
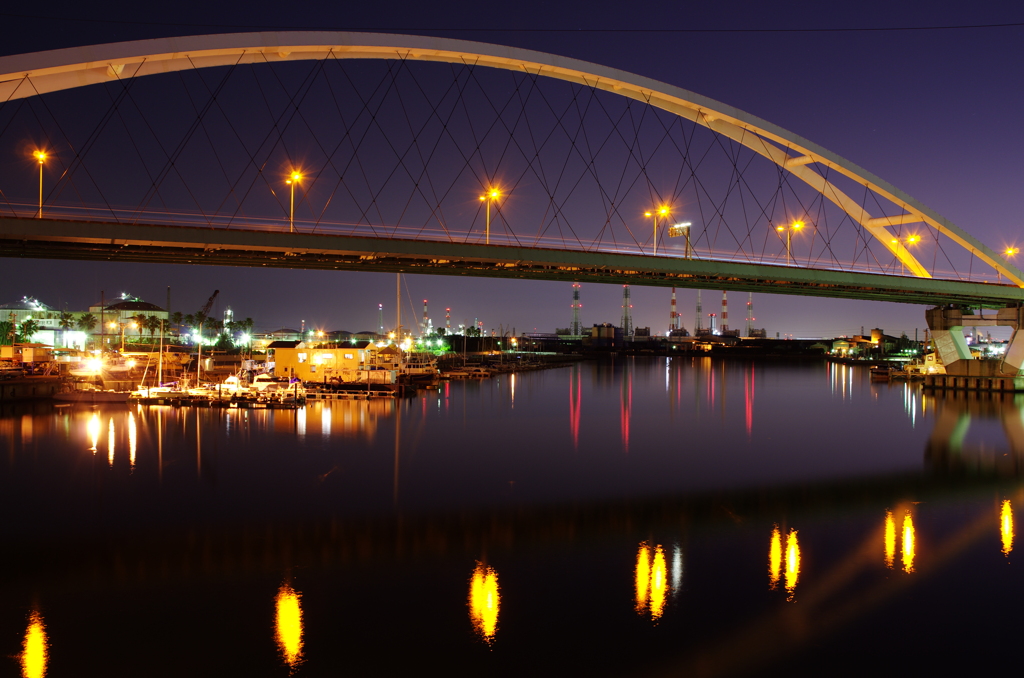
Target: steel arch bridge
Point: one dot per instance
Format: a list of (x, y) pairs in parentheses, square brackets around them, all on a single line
[(885, 225)]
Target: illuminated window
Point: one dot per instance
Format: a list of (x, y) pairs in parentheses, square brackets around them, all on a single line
[(348, 356), (302, 358)]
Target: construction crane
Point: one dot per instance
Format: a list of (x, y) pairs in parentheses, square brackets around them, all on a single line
[(203, 312)]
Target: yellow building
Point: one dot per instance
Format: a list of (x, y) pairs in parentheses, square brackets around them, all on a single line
[(332, 362)]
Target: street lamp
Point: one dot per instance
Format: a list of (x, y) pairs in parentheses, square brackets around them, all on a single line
[(1008, 252), (910, 240), (294, 179), (41, 157), (114, 325), (795, 226), (487, 197), (660, 212)]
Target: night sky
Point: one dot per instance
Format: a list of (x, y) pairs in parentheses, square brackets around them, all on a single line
[(931, 111)]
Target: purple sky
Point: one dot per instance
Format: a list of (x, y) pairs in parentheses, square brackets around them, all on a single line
[(927, 110)]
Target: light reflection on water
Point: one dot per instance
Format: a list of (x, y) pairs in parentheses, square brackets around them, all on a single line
[(909, 542), (705, 448), (651, 580), (484, 601), (288, 624), (792, 563), (35, 648), (890, 539), (1006, 526), (775, 558)]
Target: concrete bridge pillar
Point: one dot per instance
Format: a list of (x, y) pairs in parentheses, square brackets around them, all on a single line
[(947, 327)]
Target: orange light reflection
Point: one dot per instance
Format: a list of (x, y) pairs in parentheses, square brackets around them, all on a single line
[(288, 623), (909, 540), (1006, 526), (34, 652), (890, 539), (792, 563), (484, 601), (775, 558)]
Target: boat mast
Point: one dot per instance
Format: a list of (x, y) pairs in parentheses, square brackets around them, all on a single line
[(160, 365)]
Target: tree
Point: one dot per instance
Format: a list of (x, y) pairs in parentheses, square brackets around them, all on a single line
[(66, 321), (177, 319), (27, 328), (87, 322), (153, 324), (189, 323), (6, 332)]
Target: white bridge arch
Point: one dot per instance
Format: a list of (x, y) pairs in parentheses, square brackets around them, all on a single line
[(28, 75)]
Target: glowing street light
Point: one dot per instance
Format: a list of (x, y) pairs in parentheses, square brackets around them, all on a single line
[(1008, 252), (795, 226), (912, 239), (492, 194), (114, 325), (41, 157), (662, 211), (294, 179)]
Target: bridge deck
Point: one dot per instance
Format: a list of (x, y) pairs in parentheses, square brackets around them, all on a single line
[(101, 241)]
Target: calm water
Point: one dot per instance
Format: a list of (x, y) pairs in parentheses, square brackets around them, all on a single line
[(639, 517)]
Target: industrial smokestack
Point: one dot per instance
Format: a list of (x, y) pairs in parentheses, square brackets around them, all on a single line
[(750, 311), (673, 318), (576, 328), (725, 313), (627, 313), (700, 315), (448, 319)]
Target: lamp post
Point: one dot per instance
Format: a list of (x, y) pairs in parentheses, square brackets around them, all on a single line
[(910, 240), (492, 194), (1008, 252), (114, 325), (795, 226), (295, 177), (41, 157), (660, 212)]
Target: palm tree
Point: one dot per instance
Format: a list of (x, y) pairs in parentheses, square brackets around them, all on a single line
[(27, 328), (6, 332), (152, 324), (87, 322), (176, 319), (66, 321), (189, 322)]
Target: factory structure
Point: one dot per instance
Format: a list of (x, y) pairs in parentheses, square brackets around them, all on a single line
[(712, 326)]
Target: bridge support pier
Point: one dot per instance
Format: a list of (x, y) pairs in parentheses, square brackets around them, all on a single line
[(947, 327)]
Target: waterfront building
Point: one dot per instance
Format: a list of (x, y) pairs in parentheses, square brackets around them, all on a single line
[(315, 363)]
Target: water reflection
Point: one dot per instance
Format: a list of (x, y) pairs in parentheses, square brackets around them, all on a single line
[(484, 601), (35, 649), (288, 624), (575, 405), (132, 440), (890, 539), (651, 579), (909, 543), (966, 435), (626, 406), (1006, 526), (93, 429), (775, 558), (110, 442), (792, 563)]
